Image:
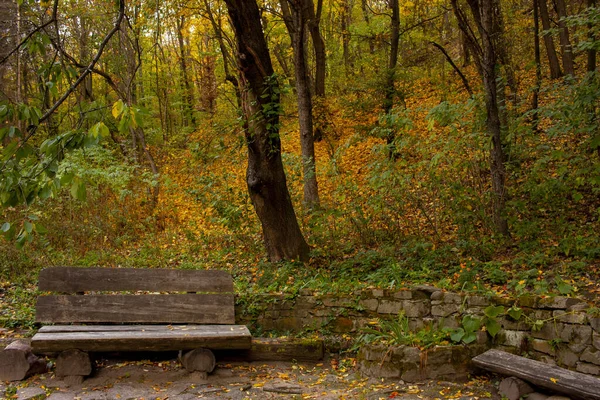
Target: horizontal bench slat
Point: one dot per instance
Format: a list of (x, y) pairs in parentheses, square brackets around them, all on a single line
[(74, 279), (175, 308), (119, 328), (159, 338)]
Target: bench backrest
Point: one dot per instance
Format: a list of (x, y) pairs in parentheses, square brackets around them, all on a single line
[(201, 297)]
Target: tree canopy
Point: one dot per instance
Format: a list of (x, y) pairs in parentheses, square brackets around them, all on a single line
[(411, 137)]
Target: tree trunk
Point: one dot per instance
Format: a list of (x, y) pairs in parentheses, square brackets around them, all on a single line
[(565, 41), (555, 71), (485, 53), (538, 65), (187, 88), (313, 21), (265, 175), (229, 76), (591, 53), (390, 74), (294, 14), (346, 19), (365, 11)]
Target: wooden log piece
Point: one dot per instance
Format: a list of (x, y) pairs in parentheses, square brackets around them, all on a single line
[(513, 388), (73, 362), (18, 362), (200, 360), (13, 362), (571, 383)]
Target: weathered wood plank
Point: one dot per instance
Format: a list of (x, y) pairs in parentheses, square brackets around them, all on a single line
[(119, 328), (278, 349), (540, 374), (208, 336), (174, 308), (75, 279)]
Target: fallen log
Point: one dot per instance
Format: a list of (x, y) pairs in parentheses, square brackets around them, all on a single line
[(18, 362), (556, 379)]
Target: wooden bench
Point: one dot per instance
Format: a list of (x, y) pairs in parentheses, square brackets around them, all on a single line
[(162, 310)]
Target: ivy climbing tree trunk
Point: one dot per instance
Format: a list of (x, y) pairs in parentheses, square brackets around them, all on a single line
[(260, 103)]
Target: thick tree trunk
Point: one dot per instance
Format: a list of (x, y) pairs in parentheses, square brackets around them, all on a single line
[(565, 41), (265, 175), (555, 71)]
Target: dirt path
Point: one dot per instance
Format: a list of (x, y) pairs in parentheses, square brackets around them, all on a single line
[(166, 379)]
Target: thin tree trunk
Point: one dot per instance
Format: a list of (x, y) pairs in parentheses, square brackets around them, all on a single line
[(295, 13), (565, 41), (313, 22), (390, 78), (484, 51), (455, 67), (555, 71), (265, 175), (591, 53), (365, 10), (538, 65), (229, 76), (187, 88), (346, 20)]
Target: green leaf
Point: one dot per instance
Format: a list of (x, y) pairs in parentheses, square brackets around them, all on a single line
[(470, 337), (45, 192), (5, 227), (103, 130), (28, 226), (537, 325), (117, 108), (492, 326), (563, 287), (457, 335), (515, 312), (78, 190), (493, 311), (66, 178), (41, 229), (22, 239), (471, 323)]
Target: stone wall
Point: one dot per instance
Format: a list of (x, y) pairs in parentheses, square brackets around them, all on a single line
[(560, 330)]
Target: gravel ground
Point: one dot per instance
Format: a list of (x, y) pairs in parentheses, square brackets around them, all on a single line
[(166, 379)]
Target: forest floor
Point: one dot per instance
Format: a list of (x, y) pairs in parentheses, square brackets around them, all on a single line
[(166, 379)]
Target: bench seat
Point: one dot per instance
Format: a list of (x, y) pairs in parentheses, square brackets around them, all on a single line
[(106, 338)]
